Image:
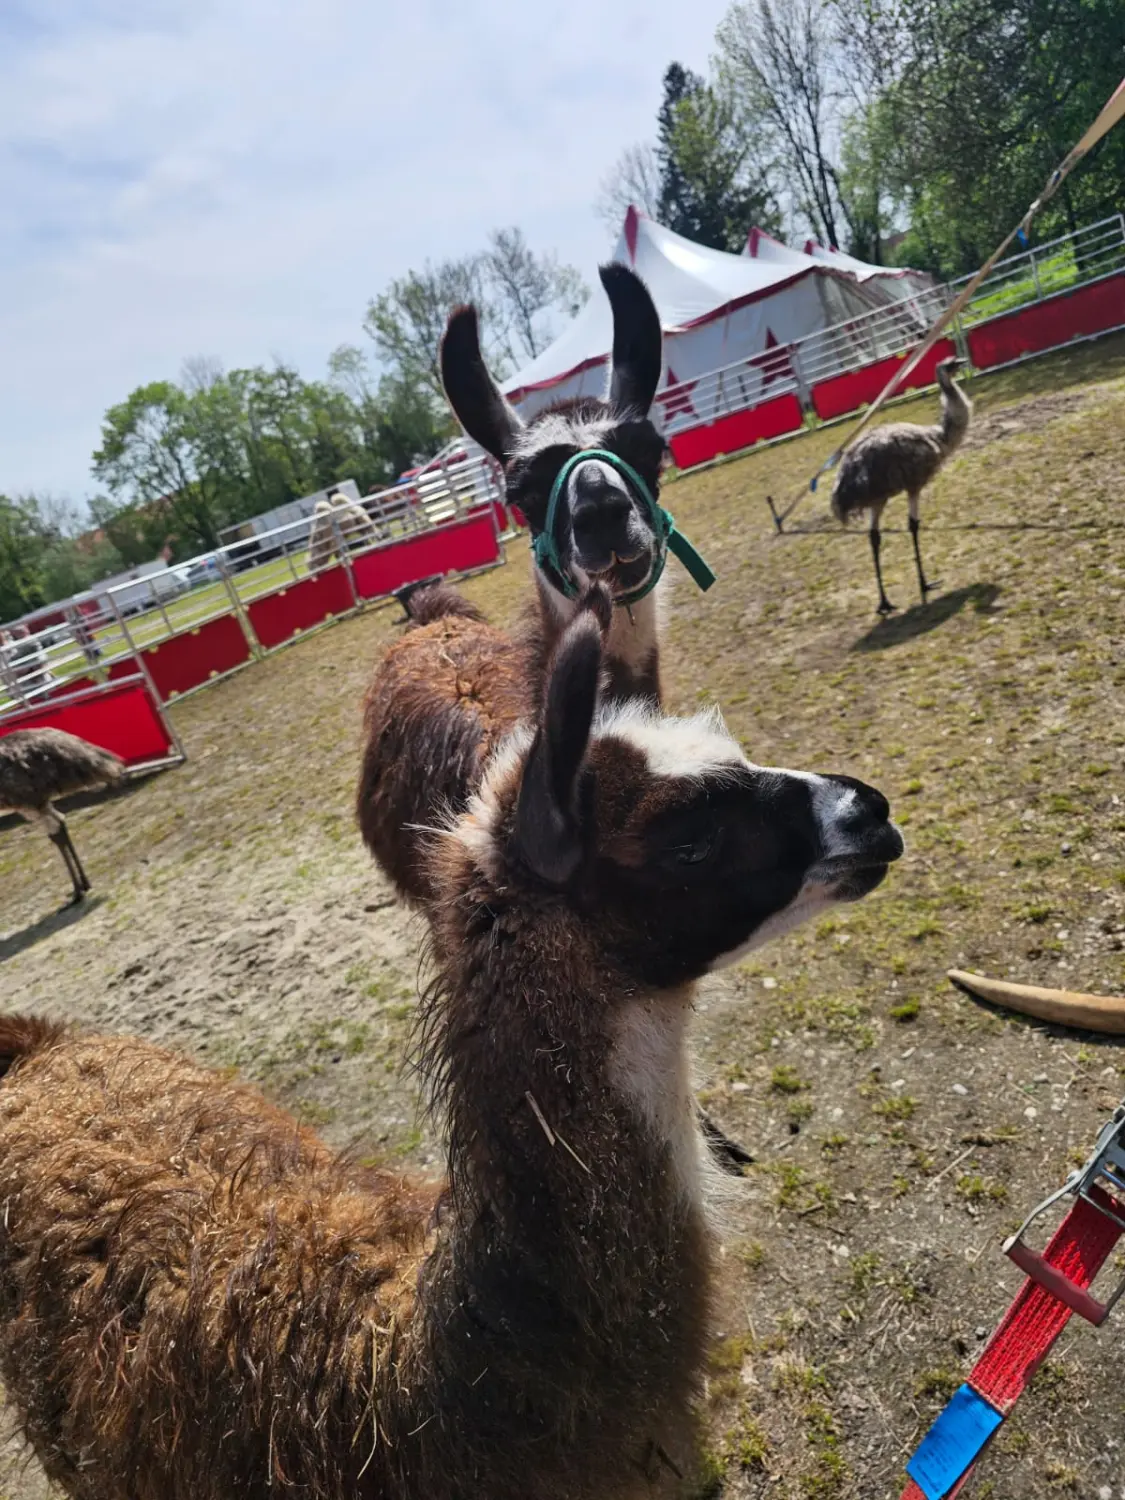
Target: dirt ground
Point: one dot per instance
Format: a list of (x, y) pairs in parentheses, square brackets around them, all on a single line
[(901, 1129)]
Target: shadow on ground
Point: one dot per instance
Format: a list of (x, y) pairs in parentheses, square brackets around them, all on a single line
[(920, 619), (45, 927)]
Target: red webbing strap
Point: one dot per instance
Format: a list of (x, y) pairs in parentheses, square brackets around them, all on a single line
[(1079, 1248)]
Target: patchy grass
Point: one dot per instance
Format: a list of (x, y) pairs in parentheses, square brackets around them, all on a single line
[(237, 916)]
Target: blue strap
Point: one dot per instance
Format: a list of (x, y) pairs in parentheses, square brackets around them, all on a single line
[(953, 1443)]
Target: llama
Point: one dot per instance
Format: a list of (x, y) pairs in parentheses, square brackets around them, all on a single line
[(198, 1300), (339, 525), (901, 456), (38, 765), (453, 686)]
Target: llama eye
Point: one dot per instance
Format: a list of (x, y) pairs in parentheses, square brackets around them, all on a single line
[(697, 851)]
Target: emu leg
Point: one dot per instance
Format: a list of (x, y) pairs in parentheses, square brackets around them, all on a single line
[(915, 525), (729, 1155), (885, 605), (59, 834)]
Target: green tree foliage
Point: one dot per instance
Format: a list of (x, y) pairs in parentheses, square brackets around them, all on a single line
[(866, 117), (521, 298), (723, 187), (183, 461), (22, 544), (989, 98)]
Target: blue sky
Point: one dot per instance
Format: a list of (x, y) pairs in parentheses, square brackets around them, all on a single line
[(236, 178)]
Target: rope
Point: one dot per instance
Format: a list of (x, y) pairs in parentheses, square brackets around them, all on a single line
[(1106, 120)]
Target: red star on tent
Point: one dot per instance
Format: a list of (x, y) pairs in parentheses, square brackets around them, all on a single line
[(774, 366), (674, 398)]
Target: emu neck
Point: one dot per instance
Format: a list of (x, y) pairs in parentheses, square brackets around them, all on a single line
[(568, 1311), (632, 651), (956, 409)]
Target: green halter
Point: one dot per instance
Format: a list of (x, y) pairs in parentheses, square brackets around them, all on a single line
[(668, 539)]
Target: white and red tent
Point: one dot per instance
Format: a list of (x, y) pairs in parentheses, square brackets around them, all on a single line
[(889, 283), (716, 309)]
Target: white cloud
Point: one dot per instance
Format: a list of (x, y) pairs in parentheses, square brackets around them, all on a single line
[(237, 178)]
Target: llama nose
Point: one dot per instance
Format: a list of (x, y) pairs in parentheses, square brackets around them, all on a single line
[(599, 517), (866, 807), (859, 826)]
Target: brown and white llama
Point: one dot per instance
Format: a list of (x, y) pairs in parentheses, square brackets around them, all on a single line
[(199, 1301), (453, 686)]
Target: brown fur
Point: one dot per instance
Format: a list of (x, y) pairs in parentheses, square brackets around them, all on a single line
[(199, 1301), (440, 701)]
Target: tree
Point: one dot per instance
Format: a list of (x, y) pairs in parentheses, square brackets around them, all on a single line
[(723, 181), (22, 544), (148, 455), (408, 319), (777, 56), (679, 84), (410, 427), (633, 181), (526, 288)]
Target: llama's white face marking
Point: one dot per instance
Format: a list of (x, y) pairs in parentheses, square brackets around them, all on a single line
[(561, 430), (687, 747)]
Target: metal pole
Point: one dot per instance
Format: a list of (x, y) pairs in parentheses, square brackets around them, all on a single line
[(237, 607)]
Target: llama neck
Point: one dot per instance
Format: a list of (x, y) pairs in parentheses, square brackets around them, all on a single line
[(566, 1315), (632, 650), (956, 409)]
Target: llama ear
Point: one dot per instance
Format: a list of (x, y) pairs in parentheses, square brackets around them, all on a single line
[(548, 833), (471, 391), (638, 343)]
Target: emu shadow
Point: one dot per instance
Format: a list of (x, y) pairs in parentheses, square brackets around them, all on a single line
[(920, 619), (45, 927)]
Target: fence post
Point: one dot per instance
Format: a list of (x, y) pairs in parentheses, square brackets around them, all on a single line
[(237, 606)]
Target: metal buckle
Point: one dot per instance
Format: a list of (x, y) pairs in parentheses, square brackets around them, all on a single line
[(1100, 1181)]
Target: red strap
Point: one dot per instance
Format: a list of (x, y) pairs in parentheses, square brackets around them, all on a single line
[(1079, 1248)]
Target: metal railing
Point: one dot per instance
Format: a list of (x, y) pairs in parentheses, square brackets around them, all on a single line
[(1068, 261), (40, 653)]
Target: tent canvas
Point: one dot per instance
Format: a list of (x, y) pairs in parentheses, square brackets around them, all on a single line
[(716, 309)]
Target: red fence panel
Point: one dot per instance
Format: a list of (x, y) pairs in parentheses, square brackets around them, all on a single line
[(1045, 325), (471, 543), (739, 429), (856, 388), (279, 616), (184, 661), (122, 718)]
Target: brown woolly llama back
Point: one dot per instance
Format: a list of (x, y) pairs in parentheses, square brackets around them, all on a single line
[(199, 1301)]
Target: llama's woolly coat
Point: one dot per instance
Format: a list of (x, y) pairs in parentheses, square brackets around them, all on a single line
[(38, 765), (214, 1321)]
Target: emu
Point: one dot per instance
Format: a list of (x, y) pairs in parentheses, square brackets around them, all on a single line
[(38, 765), (901, 456), (199, 1300)]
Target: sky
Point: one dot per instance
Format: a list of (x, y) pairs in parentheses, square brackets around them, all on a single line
[(237, 178)]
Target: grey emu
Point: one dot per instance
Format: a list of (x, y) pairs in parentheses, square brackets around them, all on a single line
[(898, 457), (38, 765)]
